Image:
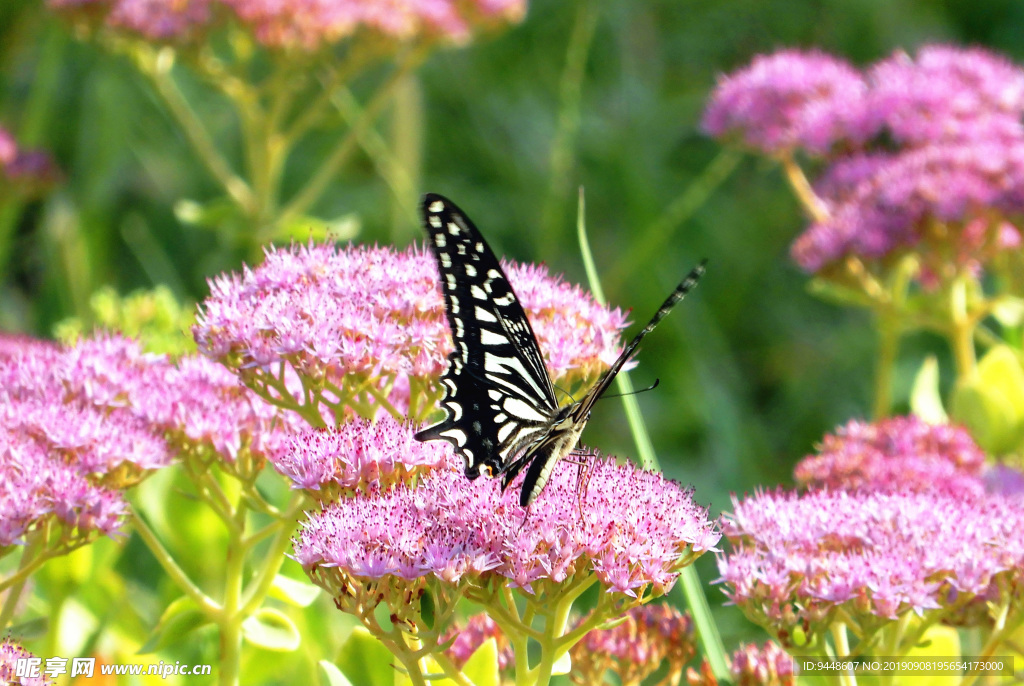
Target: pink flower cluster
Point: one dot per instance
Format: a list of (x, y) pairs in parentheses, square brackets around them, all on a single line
[(791, 99), (649, 637), (751, 665), (305, 25), (360, 455), (366, 316), (468, 639), (632, 529), (10, 653), (798, 558), (899, 453), (198, 403), (909, 143), (57, 449)]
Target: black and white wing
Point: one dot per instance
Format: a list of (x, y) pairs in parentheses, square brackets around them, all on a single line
[(498, 396), (565, 431)]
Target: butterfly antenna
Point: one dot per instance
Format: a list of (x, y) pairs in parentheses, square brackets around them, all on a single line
[(637, 392)]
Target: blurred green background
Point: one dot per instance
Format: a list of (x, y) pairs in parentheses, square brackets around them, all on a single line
[(753, 368)]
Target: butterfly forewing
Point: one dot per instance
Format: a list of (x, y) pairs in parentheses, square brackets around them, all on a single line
[(498, 396)]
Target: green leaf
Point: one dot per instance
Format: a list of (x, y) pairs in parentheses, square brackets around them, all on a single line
[(925, 399), (30, 630), (294, 592), (838, 294), (333, 675), (986, 413), (482, 666), (211, 215), (181, 618), (1000, 369), (365, 660), (271, 629)]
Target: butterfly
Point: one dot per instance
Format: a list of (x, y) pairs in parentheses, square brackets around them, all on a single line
[(502, 414)]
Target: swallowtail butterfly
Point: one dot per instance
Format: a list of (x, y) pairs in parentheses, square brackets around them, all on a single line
[(503, 416)]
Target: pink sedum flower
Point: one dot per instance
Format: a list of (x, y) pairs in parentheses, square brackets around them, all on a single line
[(948, 93), (755, 665), (797, 559), (360, 455), (298, 25), (368, 323), (10, 654), (27, 171), (468, 639), (899, 453), (636, 531), (791, 99), (649, 637)]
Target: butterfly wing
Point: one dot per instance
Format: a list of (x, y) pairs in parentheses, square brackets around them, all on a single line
[(498, 396)]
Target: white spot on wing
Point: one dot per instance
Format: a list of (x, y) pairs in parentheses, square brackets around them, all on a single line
[(453, 228), (477, 292), (470, 270), (457, 435), (436, 206), (523, 410), (504, 431), (505, 300), (446, 259), (485, 316), (488, 337), (435, 221)]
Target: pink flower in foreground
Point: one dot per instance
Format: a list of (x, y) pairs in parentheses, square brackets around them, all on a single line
[(10, 654), (360, 455), (367, 323), (791, 99), (798, 558), (636, 530), (649, 637), (197, 402), (900, 453)]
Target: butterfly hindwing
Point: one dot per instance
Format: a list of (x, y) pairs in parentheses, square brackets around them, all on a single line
[(498, 396)]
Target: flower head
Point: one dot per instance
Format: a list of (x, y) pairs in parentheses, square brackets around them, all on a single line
[(797, 559), (648, 637), (10, 654), (791, 99), (468, 639), (368, 324), (948, 93), (942, 194), (359, 455), (899, 453), (305, 26), (636, 531)]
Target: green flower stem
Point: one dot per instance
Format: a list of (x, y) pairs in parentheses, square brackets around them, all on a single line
[(564, 143), (815, 208), (656, 237), (32, 558), (274, 557), (693, 591), (450, 670), (229, 619), (961, 327), (176, 573), (157, 66), (889, 335), (323, 176), (842, 644), (387, 163)]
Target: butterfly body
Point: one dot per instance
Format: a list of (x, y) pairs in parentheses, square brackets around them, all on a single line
[(502, 413)]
